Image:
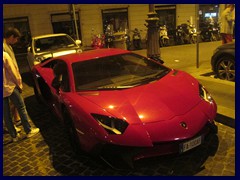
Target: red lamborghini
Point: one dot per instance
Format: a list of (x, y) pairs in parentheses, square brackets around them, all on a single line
[(114, 101)]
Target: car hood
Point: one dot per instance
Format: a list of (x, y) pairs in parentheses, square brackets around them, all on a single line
[(161, 100)]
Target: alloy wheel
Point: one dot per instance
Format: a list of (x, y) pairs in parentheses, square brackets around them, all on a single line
[(226, 69)]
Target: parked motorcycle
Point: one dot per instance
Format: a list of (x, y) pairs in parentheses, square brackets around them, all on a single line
[(179, 39), (216, 31), (192, 33), (189, 33), (163, 36), (206, 34), (127, 40), (136, 39), (209, 33)]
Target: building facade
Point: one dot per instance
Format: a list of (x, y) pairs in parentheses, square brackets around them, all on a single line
[(90, 19)]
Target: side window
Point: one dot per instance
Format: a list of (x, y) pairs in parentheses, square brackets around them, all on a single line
[(61, 71)]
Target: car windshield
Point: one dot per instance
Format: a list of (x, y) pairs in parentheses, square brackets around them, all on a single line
[(53, 43), (116, 72)]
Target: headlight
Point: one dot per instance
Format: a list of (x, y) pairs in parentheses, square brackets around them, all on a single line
[(110, 124), (38, 60), (204, 94)]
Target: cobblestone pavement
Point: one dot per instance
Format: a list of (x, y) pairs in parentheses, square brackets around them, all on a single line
[(49, 153)]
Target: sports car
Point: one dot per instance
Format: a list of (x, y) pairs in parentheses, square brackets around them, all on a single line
[(113, 101)]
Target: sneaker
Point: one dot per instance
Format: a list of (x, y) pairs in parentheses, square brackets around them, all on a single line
[(33, 132), (17, 129), (17, 138)]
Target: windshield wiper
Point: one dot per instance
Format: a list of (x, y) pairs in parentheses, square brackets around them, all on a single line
[(162, 74), (155, 77)]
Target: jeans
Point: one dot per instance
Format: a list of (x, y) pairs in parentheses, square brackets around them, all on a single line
[(18, 102)]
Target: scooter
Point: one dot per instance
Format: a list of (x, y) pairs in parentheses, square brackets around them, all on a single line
[(192, 33), (136, 39), (163, 36), (127, 40)]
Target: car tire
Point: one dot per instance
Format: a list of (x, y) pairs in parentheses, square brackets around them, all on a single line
[(71, 132), (225, 68)]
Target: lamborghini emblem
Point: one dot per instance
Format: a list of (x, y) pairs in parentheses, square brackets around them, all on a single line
[(184, 125)]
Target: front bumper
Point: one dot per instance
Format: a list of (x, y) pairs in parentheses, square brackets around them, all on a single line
[(110, 151)]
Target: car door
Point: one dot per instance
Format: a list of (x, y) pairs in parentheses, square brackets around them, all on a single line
[(51, 95), (60, 70)]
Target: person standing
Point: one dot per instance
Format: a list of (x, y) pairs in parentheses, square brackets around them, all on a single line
[(12, 87), (227, 24), (10, 37)]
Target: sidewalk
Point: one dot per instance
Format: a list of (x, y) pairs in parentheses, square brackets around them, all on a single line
[(184, 57)]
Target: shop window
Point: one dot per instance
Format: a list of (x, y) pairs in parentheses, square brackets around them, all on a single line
[(208, 15), (116, 18), (167, 16), (64, 23)]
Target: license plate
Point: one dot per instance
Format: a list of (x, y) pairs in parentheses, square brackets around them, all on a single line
[(190, 144)]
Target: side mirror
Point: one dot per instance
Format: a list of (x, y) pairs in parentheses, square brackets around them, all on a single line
[(78, 42)]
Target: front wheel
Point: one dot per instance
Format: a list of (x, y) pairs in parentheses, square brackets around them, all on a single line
[(71, 131), (225, 68)]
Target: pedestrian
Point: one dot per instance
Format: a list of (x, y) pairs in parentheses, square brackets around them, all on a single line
[(227, 24), (12, 87), (10, 37)]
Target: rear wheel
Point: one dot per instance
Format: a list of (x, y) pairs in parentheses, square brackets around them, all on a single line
[(225, 68)]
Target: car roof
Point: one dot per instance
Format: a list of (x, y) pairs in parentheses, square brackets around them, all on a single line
[(92, 54), (49, 35)]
